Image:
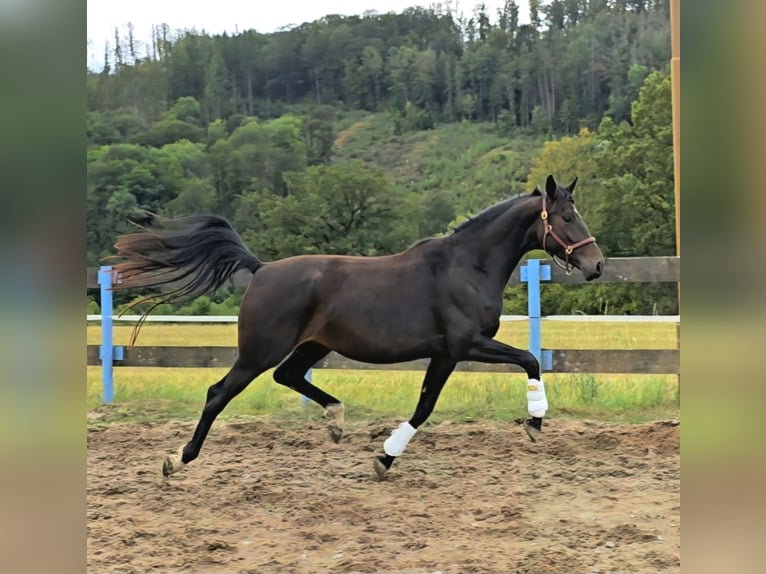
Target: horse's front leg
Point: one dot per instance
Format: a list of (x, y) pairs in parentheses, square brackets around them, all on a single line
[(439, 370), (486, 350)]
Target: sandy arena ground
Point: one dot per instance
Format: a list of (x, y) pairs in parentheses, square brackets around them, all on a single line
[(465, 497)]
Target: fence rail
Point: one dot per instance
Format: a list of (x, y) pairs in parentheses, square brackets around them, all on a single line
[(665, 361), (532, 272)]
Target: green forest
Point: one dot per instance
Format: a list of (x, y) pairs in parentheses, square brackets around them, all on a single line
[(362, 134)]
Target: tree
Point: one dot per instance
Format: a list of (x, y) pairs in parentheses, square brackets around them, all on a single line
[(123, 180), (100, 129), (216, 86), (343, 208), (285, 151), (318, 130), (620, 102), (424, 87), (372, 72), (255, 156), (636, 165), (170, 130), (401, 70), (566, 158), (185, 109), (185, 169)]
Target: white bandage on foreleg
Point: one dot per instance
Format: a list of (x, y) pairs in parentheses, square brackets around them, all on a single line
[(397, 442), (537, 403)]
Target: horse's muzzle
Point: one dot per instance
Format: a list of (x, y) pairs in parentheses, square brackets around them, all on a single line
[(595, 272)]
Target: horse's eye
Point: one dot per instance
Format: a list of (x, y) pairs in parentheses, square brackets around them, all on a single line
[(568, 217)]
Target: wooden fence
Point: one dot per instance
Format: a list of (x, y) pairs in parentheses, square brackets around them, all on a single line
[(663, 361)]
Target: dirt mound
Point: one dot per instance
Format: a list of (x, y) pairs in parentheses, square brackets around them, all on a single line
[(465, 497)]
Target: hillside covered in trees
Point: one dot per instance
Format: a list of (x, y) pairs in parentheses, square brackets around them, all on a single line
[(362, 134)]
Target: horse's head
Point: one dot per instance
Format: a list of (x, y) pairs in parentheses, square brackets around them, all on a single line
[(564, 234)]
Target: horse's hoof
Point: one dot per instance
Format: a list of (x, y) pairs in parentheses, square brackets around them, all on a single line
[(173, 463), (533, 432), (335, 433), (335, 412), (380, 467)]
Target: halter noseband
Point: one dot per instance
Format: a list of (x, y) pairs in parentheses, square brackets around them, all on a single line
[(548, 230)]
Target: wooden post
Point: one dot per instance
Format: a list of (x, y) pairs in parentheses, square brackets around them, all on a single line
[(675, 78), (678, 346)]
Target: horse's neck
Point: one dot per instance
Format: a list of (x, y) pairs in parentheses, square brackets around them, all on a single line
[(497, 247)]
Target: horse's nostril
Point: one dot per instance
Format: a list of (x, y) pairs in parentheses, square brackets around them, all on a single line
[(599, 267)]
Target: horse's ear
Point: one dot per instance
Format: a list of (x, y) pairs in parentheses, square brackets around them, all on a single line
[(536, 191), (550, 187), (571, 186)]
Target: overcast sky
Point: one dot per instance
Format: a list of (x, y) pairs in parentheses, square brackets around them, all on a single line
[(216, 16)]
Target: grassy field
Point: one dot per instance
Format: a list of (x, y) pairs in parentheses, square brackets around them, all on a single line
[(162, 393)]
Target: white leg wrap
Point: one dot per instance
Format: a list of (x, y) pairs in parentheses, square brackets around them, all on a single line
[(537, 403), (397, 442)]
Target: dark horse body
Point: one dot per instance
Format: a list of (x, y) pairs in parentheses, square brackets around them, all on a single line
[(440, 299)]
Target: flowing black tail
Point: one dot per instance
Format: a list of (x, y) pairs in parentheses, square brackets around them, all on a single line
[(194, 255)]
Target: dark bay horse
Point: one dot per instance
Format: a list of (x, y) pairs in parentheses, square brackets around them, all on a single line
[(439, 299)]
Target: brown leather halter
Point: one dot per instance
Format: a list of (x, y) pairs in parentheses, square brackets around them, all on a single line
[(548, 230)]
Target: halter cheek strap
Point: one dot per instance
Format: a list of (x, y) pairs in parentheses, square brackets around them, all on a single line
[(568, 248)]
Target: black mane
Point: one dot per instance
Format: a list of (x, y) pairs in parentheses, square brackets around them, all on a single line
[(489, 213)]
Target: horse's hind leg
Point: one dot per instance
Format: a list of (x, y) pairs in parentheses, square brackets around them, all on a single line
[(291, 374), (218, 396)]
